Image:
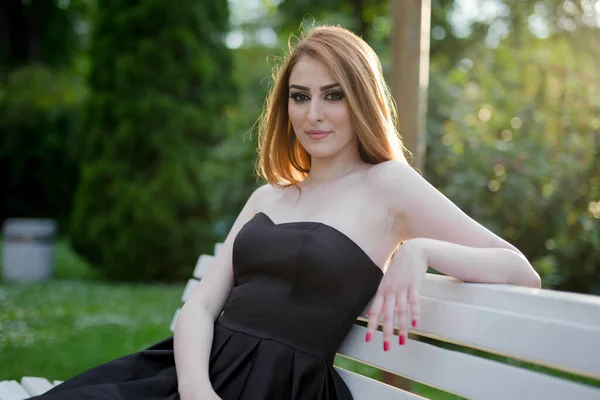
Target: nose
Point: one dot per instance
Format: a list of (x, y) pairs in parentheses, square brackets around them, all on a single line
[(315, 111)]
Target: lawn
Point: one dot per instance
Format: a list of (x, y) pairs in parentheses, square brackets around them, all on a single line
[(59, 328)]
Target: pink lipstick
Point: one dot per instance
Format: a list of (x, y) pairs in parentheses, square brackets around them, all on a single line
[(316, 134)]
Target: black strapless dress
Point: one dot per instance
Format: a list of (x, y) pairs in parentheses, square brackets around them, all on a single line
[(299, 287)]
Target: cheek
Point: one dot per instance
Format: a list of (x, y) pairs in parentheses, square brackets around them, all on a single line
[(294, 114), (341, 116)]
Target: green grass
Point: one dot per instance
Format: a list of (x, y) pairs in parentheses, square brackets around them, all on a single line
[(60, 328)]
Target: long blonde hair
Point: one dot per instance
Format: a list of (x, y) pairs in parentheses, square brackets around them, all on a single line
[(352, 63)]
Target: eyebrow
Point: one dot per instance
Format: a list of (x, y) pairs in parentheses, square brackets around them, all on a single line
[(322, 88)]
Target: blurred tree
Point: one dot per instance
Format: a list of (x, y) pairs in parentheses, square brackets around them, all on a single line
[(229, 169), (371, 20), (38, 31), (39, 120), (357, 15), (160, 86), (41, 96), (514, 129)]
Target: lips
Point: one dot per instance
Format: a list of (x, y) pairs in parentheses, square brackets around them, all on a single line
[(316, 134)]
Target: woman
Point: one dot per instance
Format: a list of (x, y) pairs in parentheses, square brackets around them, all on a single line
[(308, 250)]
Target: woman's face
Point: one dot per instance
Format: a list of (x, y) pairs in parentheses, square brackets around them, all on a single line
[(318, 110)]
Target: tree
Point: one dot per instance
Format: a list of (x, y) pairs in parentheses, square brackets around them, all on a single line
[(514, 139), (39, 118), (356, 15), (40, 103), (38, 32), (160, 84)]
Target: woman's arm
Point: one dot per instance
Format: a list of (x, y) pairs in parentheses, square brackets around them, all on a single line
[(454, 243), (194, 327), (437, 234), (471, 264)]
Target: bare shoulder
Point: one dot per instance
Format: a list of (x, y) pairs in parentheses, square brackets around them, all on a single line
[(393, 177), (263, 191), (260, 197), (393, 169), (265, 195)]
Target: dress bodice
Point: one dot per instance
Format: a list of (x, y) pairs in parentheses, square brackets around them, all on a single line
[(302, 284)]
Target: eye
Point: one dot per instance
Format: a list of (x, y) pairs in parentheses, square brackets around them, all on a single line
[(334, 96), (299, 97)]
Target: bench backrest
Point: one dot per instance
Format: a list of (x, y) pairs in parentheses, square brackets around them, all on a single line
[(556, 333)]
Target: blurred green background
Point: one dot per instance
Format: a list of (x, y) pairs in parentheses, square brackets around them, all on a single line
[(130, 123)]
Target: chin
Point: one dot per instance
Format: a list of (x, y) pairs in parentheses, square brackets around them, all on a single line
[(320, 150)]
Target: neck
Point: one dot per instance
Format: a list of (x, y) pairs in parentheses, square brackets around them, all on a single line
[(323, 170)]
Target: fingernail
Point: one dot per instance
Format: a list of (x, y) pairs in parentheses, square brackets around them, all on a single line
[(386, 346), (402, 340), (368, 337), (414, 323)]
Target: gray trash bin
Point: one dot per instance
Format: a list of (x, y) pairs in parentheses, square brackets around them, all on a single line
[(28, 249)]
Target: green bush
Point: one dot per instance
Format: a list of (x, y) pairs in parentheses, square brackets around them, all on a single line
[(519, 159), (39, 111), (160, 83), (573, 262)]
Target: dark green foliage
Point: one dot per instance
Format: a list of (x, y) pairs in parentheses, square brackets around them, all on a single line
[(38, 31), (40, 103), (577, 241), (512, 139), (160, 84), (39, 111), (229, 170)]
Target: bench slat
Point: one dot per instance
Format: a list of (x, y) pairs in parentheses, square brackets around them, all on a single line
[(11, 390), (522, 323), (202, 266), (35, 386), (462, 374), (581, 309), (217, 247), (189, 289), (363, 388), (174, 320), (520, 336)]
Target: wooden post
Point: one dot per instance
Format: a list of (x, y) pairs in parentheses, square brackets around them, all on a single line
[(410, 72), (409, 83)]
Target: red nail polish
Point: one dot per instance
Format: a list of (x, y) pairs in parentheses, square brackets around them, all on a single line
[(386, 346), (414, 323), (402, 340), (368, 337)]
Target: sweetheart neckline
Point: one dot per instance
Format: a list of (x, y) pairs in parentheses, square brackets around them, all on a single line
[(364, 253)]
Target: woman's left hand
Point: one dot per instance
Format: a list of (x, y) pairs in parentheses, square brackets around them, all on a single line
[(398, 295)]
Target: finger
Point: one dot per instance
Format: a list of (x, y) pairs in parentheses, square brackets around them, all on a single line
[(374, 314), (402, 312), (388, 321), (415, 306)]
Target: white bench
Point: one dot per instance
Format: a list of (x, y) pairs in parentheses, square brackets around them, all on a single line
[(556, 330)]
